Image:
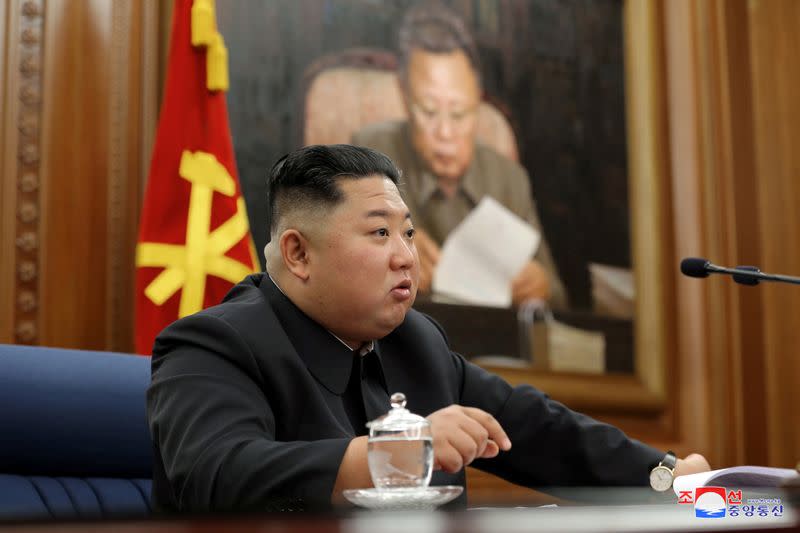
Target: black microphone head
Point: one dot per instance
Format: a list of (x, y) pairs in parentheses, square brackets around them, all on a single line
[(695, 267)]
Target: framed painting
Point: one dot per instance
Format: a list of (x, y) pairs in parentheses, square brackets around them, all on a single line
[(576, 83)]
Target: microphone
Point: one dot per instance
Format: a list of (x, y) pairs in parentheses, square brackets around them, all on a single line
[(697, 267)]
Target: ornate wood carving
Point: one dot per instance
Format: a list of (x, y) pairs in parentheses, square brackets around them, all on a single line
[(26, 332), (31, 23), (28, 182), (26, 301), (28, 241)]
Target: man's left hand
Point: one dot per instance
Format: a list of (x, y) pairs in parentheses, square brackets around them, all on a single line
[(532, 283), (694, 463)]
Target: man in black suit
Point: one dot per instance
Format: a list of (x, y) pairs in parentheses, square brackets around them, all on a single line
[(260, 402)]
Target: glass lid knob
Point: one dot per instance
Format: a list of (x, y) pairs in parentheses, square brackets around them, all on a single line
[(398, 400)]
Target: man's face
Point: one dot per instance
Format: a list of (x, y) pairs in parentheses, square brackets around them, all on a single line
[(442, 97), (363, 265)]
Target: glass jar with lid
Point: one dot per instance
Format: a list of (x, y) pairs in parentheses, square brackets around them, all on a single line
[(400, 448)]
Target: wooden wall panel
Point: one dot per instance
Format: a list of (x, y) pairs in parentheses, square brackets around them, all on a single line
[(8, 190), (734, 128), (774, 51), (7, 175), (74, 194), (738, 175), (79, 96), (726, 181), (694, 433), (133, 99)]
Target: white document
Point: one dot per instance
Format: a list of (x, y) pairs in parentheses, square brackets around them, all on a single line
[(483, 254), (736, 476)]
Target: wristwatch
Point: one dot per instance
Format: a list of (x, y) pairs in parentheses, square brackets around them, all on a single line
[(662, 475)]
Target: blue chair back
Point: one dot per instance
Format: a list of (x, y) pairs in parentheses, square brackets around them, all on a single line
[(74, 440)]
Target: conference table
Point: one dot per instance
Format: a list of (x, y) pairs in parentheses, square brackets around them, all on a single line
[(605, 509)]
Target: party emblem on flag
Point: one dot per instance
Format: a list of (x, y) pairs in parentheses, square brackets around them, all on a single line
[(194, 237)]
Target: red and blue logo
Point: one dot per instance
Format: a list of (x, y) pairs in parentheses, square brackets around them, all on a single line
[(710, 502)]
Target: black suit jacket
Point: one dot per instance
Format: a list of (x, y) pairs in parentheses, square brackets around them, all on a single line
[(245, 409)]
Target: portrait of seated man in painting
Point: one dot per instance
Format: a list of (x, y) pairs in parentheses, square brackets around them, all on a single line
[(446, 169)]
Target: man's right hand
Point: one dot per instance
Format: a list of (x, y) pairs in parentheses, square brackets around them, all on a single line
[(429, 253), (460, 435), (463, 434)]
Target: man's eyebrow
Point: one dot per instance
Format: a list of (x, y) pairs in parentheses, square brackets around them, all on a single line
[(383, 213)]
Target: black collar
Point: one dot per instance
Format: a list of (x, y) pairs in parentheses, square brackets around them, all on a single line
[(328, 359)]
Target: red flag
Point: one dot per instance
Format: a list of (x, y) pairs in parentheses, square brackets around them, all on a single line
[(194, 238)]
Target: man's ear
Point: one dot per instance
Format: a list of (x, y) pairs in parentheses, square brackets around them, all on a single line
[(294, 251)]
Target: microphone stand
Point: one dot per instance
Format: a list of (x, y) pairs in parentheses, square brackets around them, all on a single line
[(750, 275)]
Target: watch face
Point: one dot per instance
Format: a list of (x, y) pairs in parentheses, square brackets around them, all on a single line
[(661, 478)]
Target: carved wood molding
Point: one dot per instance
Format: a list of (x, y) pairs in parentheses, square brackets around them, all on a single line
[(118, 174), (153, 20), (29, 16)]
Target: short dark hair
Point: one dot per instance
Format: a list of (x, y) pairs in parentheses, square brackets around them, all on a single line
[(307, 177), (434, 28)]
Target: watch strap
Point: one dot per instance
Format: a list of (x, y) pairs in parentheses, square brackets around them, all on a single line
[(670, 460)]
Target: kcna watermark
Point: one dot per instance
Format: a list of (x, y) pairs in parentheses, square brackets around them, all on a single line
[(717, 502)]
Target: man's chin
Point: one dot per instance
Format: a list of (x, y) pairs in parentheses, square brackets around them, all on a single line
[(451, 172), (390, 323)]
